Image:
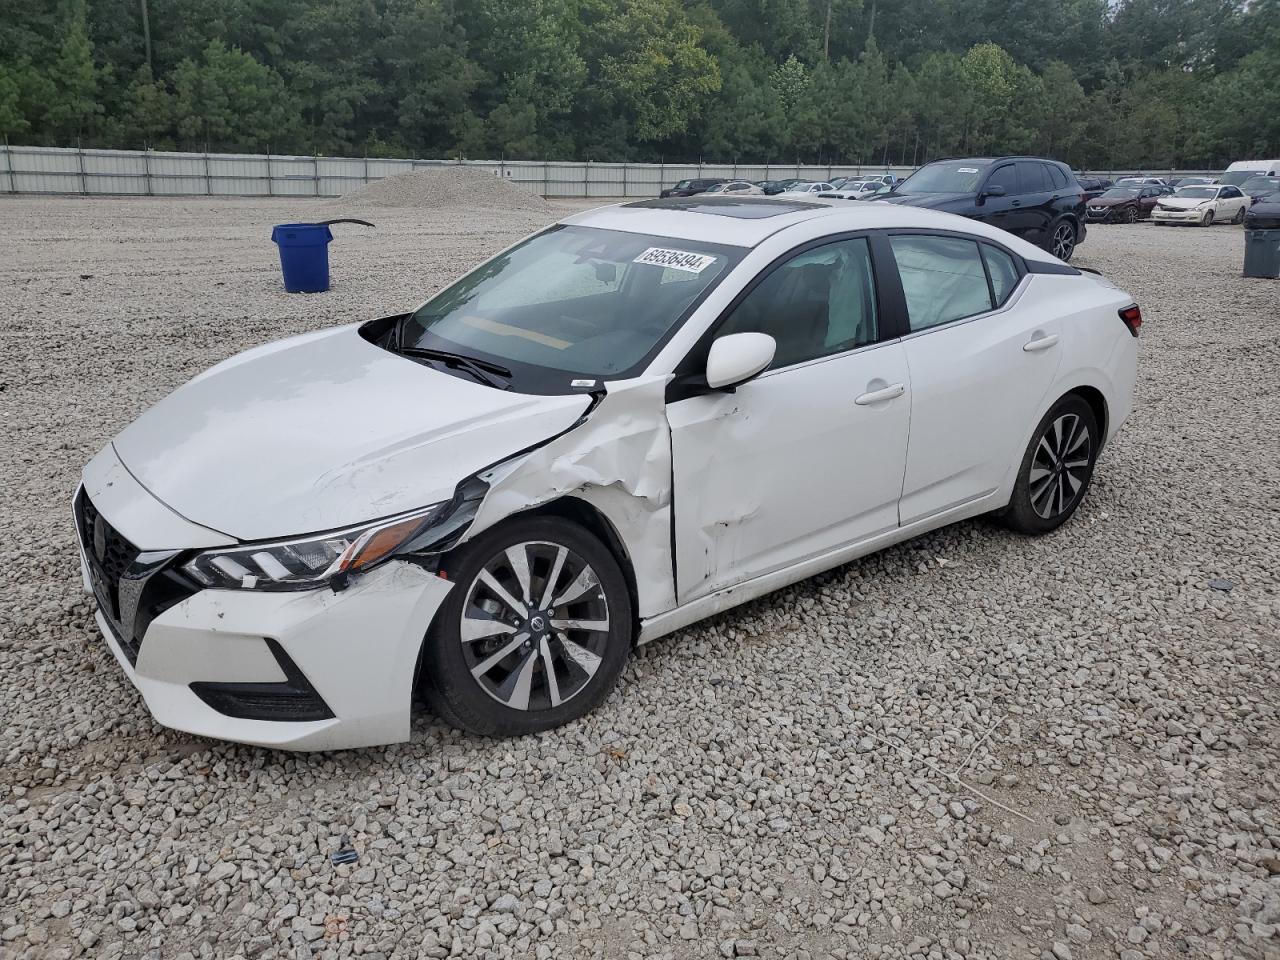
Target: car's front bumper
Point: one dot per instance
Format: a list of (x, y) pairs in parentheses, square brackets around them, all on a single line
[(1177, 216), (302, 670)]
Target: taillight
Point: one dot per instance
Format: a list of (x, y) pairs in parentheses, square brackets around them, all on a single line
[(1132, 317)]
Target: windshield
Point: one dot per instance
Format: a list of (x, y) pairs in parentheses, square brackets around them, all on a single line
[(571, 303), (1196, 193), (956, 176), (682, 185), (1262, 184), (1120, 193), (1237, 177), (716, 188)]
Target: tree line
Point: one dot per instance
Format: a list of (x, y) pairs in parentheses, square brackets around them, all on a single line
[(1098, 83)]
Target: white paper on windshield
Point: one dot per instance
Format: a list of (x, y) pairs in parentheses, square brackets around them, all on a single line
[(676, 259), (966, 169)]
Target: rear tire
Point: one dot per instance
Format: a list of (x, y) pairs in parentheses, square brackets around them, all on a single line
[(1062, 240), (1056, 469), (549, 659)]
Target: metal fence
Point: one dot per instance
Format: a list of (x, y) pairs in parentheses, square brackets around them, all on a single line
[(58, 170)]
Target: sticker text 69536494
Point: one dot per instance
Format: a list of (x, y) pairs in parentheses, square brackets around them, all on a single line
[(676, 259)]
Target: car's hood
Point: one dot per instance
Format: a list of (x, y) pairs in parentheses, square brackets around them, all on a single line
[(323, 431), (934, 201), (1181, 203)]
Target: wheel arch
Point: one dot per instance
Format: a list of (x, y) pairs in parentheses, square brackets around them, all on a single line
[(591, 518), (1097, 403)]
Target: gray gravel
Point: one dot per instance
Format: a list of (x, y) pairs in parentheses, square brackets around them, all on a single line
[(776, 782)]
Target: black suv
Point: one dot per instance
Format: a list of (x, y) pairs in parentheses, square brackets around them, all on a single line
[(1037, 199), (687, 188)]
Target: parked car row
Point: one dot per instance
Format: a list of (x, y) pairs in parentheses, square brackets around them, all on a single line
[(1041, 200)]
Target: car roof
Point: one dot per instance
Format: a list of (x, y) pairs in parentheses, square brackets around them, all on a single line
[(749, 221)]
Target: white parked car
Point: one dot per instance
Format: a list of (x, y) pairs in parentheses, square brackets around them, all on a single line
[(735, 188), (632, 420), (858, 190), (805, 187), (1202, 205)]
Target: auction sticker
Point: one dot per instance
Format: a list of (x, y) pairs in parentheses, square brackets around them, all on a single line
[(966, 169), (676, 259)]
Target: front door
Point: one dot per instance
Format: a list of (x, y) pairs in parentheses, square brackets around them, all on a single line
[(809, 456)]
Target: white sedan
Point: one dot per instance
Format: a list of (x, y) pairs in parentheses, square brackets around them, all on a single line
[(806, 187), (1202, 205), (632, 420)]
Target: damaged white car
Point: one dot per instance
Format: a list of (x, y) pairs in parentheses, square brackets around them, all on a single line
[(634, 419)]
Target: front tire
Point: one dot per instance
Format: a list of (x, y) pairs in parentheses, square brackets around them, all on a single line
[(1207, 219), (1056, 469), (533, 634), (1062, 240), (1131, 215)]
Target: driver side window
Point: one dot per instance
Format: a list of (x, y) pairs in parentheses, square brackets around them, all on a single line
[(818, 303)]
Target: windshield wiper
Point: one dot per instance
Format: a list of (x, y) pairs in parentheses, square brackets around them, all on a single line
[(480, 369)]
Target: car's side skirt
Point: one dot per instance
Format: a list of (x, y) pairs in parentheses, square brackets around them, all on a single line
[(703, 607)]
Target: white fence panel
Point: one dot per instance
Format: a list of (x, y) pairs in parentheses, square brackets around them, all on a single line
[(163, 173)]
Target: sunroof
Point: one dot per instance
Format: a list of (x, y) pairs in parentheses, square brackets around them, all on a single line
[(740, 208)]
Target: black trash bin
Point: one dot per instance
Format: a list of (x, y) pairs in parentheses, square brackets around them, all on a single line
[(1262, 240)]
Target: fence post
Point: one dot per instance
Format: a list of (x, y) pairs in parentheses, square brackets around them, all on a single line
[(366, 165), (662, 174), (546, 179), (8, 165), (146, 165), (208, 177), (84, 188), (315, 173), (625, 165), (271, 189), (586, 177)]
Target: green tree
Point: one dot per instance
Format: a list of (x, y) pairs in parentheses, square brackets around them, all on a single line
[(229, 100), (73, 104)]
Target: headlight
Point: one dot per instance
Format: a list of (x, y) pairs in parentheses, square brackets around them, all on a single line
[(309, 562)]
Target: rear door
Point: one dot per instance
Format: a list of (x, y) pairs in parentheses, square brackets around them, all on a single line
[(1036, 201), (980, 367)]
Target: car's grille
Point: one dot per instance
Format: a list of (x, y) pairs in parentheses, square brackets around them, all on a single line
[(109, 556), (132, 587)]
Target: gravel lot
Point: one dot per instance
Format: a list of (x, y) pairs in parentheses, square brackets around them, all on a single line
[(778, 782)]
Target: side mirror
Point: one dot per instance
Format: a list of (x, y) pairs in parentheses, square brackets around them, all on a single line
[(994, 190), (736, 358)]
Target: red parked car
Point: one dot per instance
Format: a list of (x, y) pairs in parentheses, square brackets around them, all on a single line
[(1123, 203)]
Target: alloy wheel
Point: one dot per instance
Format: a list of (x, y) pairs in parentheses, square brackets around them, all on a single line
[(1064, 241), (1060, 466), (1131, 215), (534, 626)]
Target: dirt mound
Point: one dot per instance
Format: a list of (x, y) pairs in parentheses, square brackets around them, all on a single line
[(444, 187)]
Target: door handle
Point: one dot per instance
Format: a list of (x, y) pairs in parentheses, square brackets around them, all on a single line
[(1016, 203), (879, 396), (1036, 344)]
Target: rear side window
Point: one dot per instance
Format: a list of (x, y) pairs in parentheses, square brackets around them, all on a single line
[(1002, 271), (1032, 177), (1057, 176), (942, 277)]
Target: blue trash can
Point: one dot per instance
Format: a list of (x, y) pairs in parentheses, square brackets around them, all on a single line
[(304, 255)]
